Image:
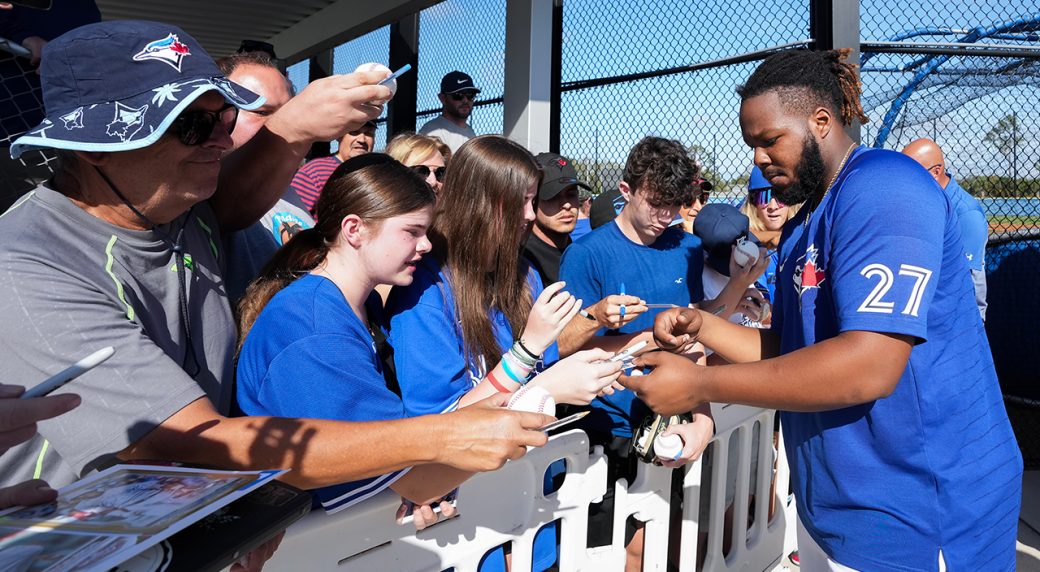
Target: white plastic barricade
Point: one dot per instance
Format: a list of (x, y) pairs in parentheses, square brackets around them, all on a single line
[(508, 507)]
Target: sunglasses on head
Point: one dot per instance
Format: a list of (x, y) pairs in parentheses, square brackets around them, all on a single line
[(425, 171), (761, 197), (702, 197), (195, 126), (464, 95)]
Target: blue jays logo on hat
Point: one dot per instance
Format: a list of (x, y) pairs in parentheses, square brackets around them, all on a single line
[(127, 122), (168, 50), (73, 119)]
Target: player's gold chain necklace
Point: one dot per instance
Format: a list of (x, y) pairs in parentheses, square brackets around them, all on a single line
[(837, 172)]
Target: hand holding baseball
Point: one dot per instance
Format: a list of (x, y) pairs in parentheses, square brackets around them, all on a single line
[(483, 436)]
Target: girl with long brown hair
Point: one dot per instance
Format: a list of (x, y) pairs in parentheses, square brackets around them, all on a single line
[(310, 321), (476, 320)]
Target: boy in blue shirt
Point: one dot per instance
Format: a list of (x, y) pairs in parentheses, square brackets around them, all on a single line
[(638, 257), (901, 454)]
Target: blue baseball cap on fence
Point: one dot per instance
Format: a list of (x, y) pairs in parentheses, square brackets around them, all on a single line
[(118, 85)]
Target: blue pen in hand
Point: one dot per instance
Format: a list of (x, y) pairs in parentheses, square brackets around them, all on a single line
[(622, 305)]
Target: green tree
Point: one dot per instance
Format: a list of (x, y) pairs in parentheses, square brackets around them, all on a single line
[(1006, 136)]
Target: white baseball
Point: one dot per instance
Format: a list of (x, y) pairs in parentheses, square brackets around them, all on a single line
[(668, 446), (745, 254), (374, 67), (533, 398)]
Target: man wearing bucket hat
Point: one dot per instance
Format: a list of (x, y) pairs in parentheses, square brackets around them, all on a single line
[(122, 248)]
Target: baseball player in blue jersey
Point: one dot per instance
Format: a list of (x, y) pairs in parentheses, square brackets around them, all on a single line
[(901, 453)]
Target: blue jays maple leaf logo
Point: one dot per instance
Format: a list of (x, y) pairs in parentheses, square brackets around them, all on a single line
[(807, 273), (169, 50), (127, 122)]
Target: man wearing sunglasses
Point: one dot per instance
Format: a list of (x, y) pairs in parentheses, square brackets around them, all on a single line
[(123, 248), (457, 96), (555, 217)]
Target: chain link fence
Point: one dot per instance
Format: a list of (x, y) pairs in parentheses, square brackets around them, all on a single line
[(21, 108), (631, 69)]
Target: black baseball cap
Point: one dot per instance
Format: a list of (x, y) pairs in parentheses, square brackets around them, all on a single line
[(558, 174), (456, 81)]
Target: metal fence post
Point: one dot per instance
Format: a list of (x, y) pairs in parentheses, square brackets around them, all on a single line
[(321, 67), (528, 76), (404, 49), (835, 24)]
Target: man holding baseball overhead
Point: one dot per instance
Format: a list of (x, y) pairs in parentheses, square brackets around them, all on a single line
[(122, 248), (901, 454)]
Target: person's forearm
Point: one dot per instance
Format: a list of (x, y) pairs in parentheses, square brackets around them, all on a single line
[(318, 452), (853, 368), (729, 298), (576, 334), (254, 177), (736, 343), (620, 342), (426, 484)]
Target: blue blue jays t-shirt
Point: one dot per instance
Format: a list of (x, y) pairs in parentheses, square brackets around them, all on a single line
[(934, 466), (308, 355), (973, 224), (666, 272), (434, 373), (429, 353)]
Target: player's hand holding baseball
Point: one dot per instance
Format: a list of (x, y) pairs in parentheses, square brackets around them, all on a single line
[(670, 387), (695, 435), (580, 377), (483, 436), (551, 312)]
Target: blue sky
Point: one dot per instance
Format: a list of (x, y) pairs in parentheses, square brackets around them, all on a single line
[(605, 38)]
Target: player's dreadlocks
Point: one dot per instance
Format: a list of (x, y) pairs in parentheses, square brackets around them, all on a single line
[(803, 79)]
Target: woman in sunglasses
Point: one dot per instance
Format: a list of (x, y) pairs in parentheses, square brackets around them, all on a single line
[(426, 155), (767, 216)]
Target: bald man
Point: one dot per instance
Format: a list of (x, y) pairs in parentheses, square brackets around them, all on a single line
[(973, 223)]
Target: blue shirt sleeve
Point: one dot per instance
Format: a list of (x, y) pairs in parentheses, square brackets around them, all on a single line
[(578, 270), (974, 235), (886, 243), (428, 353)]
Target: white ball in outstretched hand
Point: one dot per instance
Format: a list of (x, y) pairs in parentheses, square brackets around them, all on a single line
[(374, 67), (668, 446), (534, 399)]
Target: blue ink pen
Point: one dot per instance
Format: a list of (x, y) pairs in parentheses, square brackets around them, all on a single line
[(622, 293)]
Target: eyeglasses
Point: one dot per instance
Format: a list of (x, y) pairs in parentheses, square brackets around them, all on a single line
[(702, 197), (761, 197), (194, 127), (425, 171), (464, 95)]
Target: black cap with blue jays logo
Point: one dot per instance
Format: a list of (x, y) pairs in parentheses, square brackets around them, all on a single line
[(118, 85)]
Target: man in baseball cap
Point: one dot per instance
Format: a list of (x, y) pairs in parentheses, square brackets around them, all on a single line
[(556, 215), (457, 96), (122, 248)]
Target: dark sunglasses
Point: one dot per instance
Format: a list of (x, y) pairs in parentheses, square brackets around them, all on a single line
[(464, 95), (703, 197), (194, 127), (761, 197), (424, 172)]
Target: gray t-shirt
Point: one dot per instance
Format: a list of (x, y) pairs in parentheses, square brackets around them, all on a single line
[(250, 248), (70, 284), (448, 131)]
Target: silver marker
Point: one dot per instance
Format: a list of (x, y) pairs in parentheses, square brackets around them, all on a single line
[(70, 373)]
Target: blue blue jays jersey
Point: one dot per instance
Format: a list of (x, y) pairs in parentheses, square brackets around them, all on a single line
[(934, 466)]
